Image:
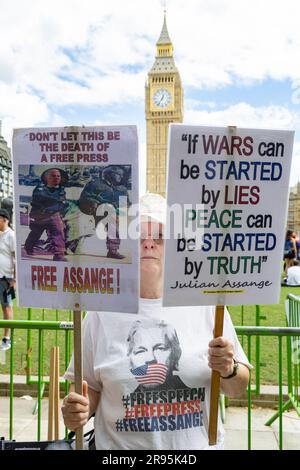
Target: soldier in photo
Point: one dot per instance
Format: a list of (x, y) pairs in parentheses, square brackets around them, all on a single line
[(106, 188), (48, 206)]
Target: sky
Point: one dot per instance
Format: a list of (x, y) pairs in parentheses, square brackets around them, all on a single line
[(72, 63)]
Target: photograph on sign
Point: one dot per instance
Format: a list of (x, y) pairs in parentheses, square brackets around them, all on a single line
[(74, 191), (227, 200), (81, 191)]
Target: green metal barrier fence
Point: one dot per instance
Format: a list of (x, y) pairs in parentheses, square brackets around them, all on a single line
[(293, 358), (291, 333), (293, 320), (29, 379), (41, 327), (280, 333), (258, 364)]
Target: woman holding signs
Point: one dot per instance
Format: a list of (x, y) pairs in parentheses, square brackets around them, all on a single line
[(147, 377)]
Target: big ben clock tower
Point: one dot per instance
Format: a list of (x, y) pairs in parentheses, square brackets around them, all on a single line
[(164, 104)]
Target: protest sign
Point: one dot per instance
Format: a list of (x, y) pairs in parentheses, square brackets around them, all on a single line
[(227, 196), (74, 187)]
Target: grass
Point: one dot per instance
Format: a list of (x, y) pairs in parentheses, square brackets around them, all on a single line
[(50, 338), (274, 316)]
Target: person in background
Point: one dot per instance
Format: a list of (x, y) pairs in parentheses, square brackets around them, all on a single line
[(297, 241), (293, 275), (138, 407), (7, 273), (290, 250)]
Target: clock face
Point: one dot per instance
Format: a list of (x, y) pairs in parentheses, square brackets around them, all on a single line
[(162, 98)]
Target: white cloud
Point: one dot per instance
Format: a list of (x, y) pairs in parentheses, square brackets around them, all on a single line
[(71, 53), (115, 88), (20, 109), (233, 40), (245, 115), (214, 41)]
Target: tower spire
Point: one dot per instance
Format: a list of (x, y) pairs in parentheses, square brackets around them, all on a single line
[(165, 6), (164, 37)]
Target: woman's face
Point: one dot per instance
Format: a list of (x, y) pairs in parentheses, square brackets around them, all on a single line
[(152, 251)]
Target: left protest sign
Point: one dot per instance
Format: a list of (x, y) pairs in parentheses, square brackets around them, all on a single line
[(73, 188)]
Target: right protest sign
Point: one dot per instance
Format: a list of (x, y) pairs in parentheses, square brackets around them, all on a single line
[(227, 198)]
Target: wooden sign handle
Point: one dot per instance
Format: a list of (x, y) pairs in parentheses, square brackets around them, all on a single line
[(215, 383), (77, 317), (54, 396)]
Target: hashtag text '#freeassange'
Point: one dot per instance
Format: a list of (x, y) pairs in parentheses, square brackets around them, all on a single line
[(162, 423)]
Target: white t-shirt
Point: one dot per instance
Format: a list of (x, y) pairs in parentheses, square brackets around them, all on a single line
[(7, 250), (293, 276), (174, 413)]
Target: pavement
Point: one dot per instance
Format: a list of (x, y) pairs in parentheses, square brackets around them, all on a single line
[(263, 437)]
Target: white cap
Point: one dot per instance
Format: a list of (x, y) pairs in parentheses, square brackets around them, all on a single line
[(153, 206)]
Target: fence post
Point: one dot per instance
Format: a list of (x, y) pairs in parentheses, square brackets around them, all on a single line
[(280, 389), (39, 385), (257, 354), (11, 385), (249, 395), (29, 348)]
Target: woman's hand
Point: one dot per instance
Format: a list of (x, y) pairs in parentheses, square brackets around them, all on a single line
[(220, 356), (76, 409)]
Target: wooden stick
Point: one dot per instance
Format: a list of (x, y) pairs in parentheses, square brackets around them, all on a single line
[(215, 376), (215, 383), (78, 368), (56, 394), (51, 395)]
